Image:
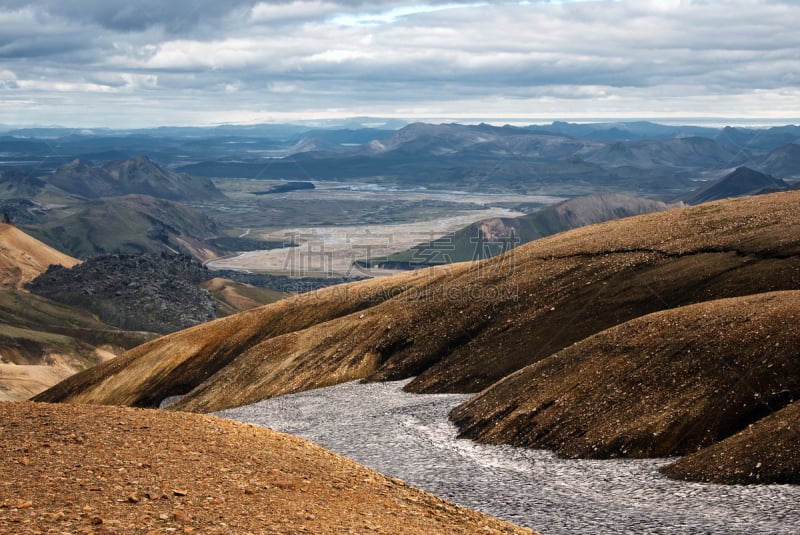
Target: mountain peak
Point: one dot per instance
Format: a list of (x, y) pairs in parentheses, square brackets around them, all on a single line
[(742, 181)]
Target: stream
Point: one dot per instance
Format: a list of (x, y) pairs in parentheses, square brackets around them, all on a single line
[(408, 436)]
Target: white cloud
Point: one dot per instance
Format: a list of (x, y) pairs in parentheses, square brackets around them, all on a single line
[(626, 58)]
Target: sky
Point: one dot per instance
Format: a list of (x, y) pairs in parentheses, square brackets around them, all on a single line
[(130, 64)]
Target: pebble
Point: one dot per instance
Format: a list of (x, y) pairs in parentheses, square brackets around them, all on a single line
[(409, 437)]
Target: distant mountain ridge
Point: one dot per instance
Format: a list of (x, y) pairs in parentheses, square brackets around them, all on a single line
[(138, 175), (636, 157)]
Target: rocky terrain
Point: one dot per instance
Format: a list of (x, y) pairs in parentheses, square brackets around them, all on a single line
[(154, 292), (84, 469), (41, 341)]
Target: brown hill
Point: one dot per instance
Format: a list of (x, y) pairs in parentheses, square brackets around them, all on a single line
[(233, 297), (464, 327), (491, 237), (23, 258), (23, 382), (82, 469), (661, 385), (765, 452), (42, 342)]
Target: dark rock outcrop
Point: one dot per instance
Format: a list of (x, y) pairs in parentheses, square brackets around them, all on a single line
[(153, 292)]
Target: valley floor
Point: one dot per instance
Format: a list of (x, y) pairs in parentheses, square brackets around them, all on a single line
[(408, 436), (332, 250)]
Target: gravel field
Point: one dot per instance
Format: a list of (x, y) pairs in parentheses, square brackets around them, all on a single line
[(409, 437), (333, 249)]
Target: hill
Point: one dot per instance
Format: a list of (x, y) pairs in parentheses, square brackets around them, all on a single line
[(42, 342), (742, 181), (135, 471), (491, 237), (133, 224), (19, 184), (159, 293), (783, 162), (233, 296), (463, 327), (138, 175), (23, 258), (661, 385), (154, 292), (764, 452)]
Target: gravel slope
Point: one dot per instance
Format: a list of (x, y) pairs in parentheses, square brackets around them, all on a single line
[(85, 469)]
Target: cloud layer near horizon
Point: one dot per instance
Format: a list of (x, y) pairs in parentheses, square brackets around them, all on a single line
[(115, 63)]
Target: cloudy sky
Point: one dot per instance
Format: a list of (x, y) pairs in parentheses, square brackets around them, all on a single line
[(129, 63)]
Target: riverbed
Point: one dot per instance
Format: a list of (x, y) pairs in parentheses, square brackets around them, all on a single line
[(408, 436)]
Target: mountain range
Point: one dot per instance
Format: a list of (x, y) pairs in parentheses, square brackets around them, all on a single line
[(635, 158), (577, 159), (469, 326)]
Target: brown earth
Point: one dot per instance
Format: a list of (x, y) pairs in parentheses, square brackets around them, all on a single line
[(42, 342), (463, 327), (23, 258), (23, 382), (765, 452), (665, 384), (85, 469), (233, 297), (176, 363)]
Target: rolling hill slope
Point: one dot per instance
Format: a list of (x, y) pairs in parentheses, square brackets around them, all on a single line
[(23, 258), (119, 470), (464, 327), (132, 224), (665, 384)]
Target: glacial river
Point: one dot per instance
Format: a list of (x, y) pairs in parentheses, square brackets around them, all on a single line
[(408, 436)]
